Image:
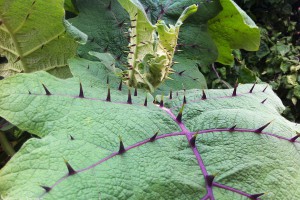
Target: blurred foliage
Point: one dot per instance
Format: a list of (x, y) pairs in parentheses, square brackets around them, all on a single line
[(277, 60)]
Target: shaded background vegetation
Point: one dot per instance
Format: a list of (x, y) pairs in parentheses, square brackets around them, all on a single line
[(276, 62)]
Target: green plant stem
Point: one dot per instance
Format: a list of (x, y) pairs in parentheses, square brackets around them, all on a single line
[(6, 145), (219, 77)]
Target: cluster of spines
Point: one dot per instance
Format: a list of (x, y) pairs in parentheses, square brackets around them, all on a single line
[(209, 178), (108, 97), (161, 103), (234, 93), (72, 171)]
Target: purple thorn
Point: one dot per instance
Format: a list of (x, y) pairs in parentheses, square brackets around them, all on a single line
[(29, 92), (171, 94), (120, 85), (259, 130), (46, 90), (193, 140), (46, 188), (70, 169), (146, 102), (235, 89), (121, 148), (232, 128), (265, 88), (209, 180), (71, 137), (135, 92), (180, 73), (184, 99), (152, 139), (251, 90), (129, 100), (264, 101), (295, 138), (179, 116), (203, 95), (108, 98), (255, 196), (81, 95), (109, 6), (161, 103)]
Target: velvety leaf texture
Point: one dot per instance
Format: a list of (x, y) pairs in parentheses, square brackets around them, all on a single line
[(220, 145), (33, 37)]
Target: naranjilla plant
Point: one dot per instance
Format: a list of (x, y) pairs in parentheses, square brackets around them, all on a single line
[(102, 135)]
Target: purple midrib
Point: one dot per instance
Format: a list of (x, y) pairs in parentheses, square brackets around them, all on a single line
[(209, 194), (195, 150), (184, 132)]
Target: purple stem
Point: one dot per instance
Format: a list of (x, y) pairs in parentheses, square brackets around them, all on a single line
[(194, 148), (184, 132), (113, 155), (244, 130), (233, 190), (217, 74), (189, 135)]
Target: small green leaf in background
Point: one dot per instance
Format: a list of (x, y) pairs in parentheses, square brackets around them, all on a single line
[(233, 29)]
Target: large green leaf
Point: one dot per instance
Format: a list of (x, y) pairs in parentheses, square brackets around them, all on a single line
[(233, 29), (246, 159), (33, 36)]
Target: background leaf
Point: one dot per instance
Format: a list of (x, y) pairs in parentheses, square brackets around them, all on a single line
[(233, 29), (33, 37)]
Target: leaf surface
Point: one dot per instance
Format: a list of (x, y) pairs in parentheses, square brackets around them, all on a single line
[(230, 142)]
